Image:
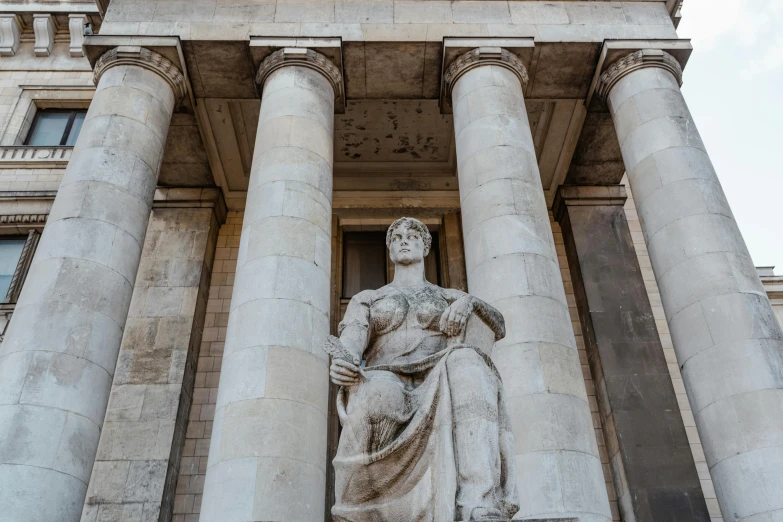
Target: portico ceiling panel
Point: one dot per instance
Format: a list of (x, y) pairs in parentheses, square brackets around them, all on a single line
[(383, 144)]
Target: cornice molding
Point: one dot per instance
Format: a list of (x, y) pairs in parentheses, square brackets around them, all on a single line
[(22, 219), (636, 61), (301, 57), (587, 196), (484, 56), (142, 57)]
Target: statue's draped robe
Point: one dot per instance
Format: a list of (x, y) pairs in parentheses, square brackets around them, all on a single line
[(427, 436)]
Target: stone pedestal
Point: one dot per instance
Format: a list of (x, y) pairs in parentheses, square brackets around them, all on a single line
[(268, 455), (728, 342), (512, 264), (652, 467), (59, 355)]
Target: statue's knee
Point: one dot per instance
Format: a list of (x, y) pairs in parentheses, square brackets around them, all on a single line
[(382, 394), (469, 371), (465, 358)]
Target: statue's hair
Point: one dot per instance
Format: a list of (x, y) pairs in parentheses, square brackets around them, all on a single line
[(416, 225)]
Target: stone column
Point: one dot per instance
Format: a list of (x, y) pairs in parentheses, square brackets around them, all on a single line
[(267, 458), (140, 448), (652, 466), (512, 264), (728, 343), (58, 357)]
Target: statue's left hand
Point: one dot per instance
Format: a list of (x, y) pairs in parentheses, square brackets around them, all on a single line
[(455, 316)]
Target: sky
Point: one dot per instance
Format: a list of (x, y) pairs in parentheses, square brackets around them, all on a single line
[(733, 85)]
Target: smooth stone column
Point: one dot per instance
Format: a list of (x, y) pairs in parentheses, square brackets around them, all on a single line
[(728, 343), (267, 458), (58, 357), (652, 466), (512, 264)]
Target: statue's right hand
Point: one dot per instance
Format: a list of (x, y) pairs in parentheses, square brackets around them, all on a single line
[(344, 373)]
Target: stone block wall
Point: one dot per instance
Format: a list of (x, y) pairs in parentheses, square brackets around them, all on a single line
[(671, 359), (139, 454)]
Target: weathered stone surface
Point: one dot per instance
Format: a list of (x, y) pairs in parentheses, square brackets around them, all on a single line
[(152, 390), (59, 353), (426, 434), (512, 264), (269, 437), (727, 339), (647, 444)]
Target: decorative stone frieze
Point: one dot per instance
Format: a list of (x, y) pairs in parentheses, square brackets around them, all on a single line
[(303, 58), (633, 62), (76, 23), (10, 31), (142, 57), (23, 219), (23, 156), (45, 27), (484, 56)]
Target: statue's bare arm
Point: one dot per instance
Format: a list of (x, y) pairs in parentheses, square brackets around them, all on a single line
[(348, 349), (461, 305)]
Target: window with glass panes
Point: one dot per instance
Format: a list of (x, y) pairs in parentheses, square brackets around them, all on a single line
[(56, 127)]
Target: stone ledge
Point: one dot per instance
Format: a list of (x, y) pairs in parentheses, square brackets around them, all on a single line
[(26, 156), (587, 195), (186, 197)]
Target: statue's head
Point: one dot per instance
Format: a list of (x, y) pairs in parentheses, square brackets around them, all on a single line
[(408, 241)]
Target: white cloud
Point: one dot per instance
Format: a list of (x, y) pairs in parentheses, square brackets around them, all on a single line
[(732, 84), (745, 22)]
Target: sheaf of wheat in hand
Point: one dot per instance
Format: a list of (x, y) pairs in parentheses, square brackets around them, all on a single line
[(334, 347)]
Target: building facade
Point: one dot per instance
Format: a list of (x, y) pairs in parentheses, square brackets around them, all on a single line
[(192, 190)]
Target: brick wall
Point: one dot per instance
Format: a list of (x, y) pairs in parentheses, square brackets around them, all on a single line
[(193, 467)]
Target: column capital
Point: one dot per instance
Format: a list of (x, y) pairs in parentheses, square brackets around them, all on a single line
[(142, 57), (587, 195), (635, 61), (302, 57), (484, 56)]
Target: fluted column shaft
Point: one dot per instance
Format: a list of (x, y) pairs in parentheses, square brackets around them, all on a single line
[(512, 264), (727, 340), (59, 355), (267, 457)]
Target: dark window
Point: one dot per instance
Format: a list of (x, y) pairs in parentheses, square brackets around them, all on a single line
[(366, 263), (10, 252), (56, 127)]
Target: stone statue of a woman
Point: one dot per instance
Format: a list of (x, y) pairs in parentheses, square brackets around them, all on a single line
[(425, 433)]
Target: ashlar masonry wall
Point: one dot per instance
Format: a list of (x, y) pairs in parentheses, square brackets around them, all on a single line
[(187, 503)]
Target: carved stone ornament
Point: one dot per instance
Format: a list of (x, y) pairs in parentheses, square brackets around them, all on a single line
[(142, 57), (633, 62), (426, 435), (484, 56), (10, 32), (45, 28), (301, 57)]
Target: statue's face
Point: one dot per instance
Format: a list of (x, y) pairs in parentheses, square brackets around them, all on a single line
[(407, 246)]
